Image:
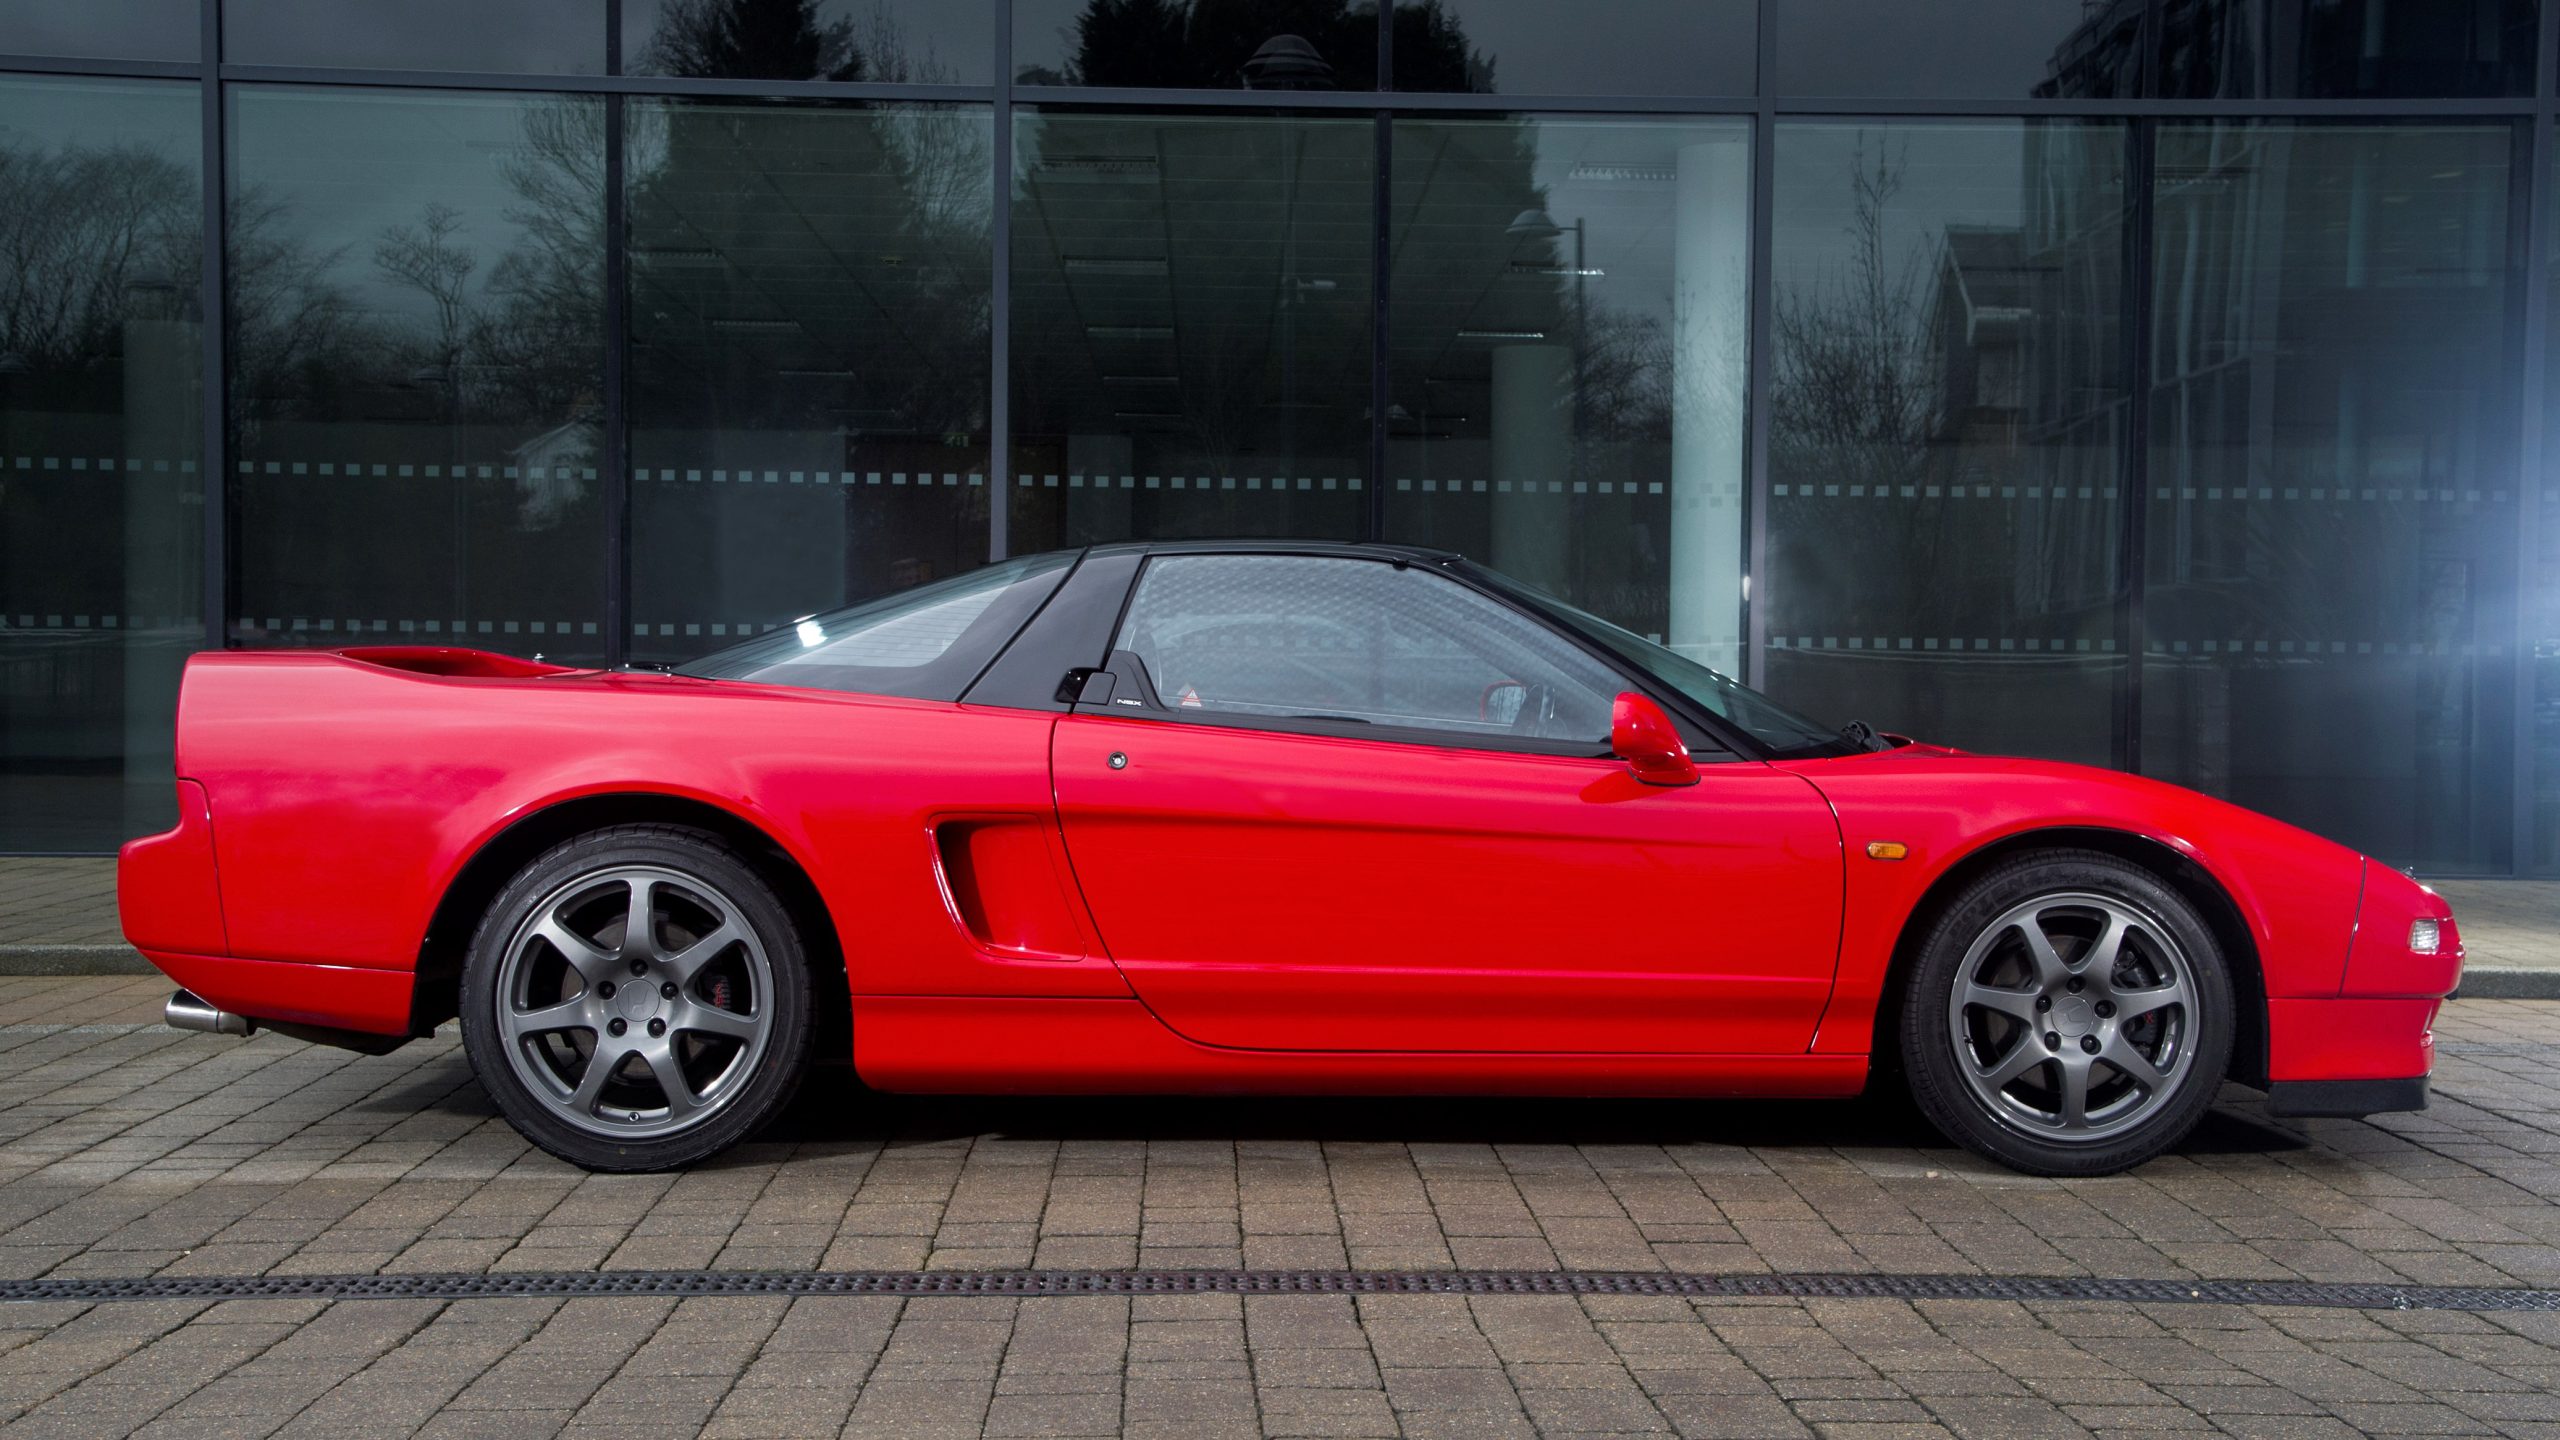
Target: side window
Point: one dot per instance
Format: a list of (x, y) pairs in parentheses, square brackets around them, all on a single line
[(1359, 642)]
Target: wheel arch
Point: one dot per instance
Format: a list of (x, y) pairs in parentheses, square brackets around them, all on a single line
[(2174, 868), (436, 997)]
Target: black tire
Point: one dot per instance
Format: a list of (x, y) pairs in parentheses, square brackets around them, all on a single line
[(731, 1017), (1952, 1051)]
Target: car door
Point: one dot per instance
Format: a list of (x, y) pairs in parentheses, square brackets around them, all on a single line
[(1347, 803)]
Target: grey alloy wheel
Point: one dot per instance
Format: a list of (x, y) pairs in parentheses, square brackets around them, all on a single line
[(2073, 1018), (635, 1001)]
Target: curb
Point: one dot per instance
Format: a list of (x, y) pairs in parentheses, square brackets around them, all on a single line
[(2500, 982), (95, 959)]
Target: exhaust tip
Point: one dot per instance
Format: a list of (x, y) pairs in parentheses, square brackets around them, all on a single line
[(188, 1011)]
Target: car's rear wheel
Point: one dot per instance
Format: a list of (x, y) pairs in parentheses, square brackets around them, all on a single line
[(2069, 1014), (636, 999)]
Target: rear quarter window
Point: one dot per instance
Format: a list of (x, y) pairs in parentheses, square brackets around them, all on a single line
[(926, 643)]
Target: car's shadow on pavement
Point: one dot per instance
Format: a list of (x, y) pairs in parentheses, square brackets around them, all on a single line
[(835, 1108)]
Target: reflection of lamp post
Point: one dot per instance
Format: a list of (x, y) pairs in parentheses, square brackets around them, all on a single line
[(1537, 224), (1287, 62)]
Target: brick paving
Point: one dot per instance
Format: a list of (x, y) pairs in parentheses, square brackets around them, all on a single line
[(130, 1150), (2512, 924), (58, 900)]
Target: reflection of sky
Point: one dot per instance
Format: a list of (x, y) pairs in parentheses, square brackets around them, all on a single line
[(124, 29), (548, 36), (347, 166), (1966, 173), (1613, 47), (159, 116)]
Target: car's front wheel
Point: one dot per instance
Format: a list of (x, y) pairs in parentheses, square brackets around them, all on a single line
[(2069, 1014), (637, 999)]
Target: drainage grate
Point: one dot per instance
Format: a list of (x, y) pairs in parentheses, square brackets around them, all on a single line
[(578, 1283)]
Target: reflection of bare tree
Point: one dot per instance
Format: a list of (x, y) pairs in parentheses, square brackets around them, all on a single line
[(1851, 394), (79, 227), (537, 347), (431, 259), (1626, 377), (294, 332), (496, 341)]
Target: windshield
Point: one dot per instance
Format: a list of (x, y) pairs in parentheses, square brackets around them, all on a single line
[(927, 643), (1788, 735)]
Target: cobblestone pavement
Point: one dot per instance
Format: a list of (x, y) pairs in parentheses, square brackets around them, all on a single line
[(130, 1150)]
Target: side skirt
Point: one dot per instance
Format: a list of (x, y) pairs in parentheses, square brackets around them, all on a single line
[(993, 1045)]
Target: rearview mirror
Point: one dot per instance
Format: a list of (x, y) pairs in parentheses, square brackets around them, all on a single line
[(1644, 737)]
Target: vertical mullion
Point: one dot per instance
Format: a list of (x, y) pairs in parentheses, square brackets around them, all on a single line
[(1000, 297), (617, 410), (1373, 510), (1761, 359), (214, 466), (2133, 470), (1381, 382)]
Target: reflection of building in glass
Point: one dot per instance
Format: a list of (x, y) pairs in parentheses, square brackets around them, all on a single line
[(2156, 422)]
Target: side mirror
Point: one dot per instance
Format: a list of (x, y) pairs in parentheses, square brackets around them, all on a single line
[(1644, 737)]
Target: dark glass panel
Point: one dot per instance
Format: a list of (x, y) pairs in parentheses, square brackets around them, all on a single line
[(1568, 340), (2330, 553), (1948, 410), (416, 390), (562, 37), (2002, 49), (107, 29), (1190, 326), (809, 355), (1598, 47), (1197, 44), (2344, 49), (101, 505), (920, 42)]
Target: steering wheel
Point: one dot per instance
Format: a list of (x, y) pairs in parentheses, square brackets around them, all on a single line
[(1537, 708)]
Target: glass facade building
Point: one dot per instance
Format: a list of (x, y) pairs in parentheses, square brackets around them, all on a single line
[(2148, 383)]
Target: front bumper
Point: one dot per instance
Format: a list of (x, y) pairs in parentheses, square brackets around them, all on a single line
[(2349, 1056)]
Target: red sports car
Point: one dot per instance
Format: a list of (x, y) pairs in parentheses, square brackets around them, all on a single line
[(1242, 816)]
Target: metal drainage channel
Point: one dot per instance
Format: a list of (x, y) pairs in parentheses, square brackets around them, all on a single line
[(572, 1284)]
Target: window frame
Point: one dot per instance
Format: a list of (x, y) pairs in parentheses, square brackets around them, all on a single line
[(1707, 742)]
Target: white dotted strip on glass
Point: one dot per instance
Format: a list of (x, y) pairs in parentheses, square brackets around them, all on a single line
[(1187, 482), (105, 462)]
